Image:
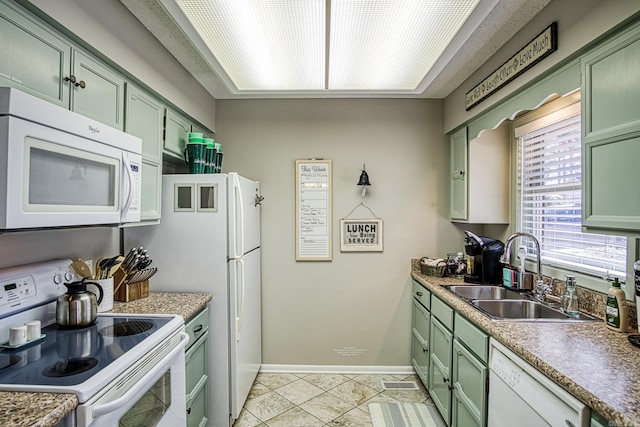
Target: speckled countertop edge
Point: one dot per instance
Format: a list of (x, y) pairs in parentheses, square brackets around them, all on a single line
[(596, 365), (184, 304), (47, 409), (35, 409)]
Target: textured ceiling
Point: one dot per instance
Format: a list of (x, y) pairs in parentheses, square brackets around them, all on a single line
[(500, 20)]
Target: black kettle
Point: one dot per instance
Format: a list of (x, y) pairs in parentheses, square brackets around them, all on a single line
[(78, 307)]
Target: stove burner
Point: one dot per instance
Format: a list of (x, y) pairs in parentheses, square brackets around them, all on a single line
[(123, 328), (9, 360), (68, 367)]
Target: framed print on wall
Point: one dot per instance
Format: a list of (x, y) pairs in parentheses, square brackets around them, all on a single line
[(361, 235), (313, 210)]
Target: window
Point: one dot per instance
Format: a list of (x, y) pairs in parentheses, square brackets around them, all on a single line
[(549, 202)]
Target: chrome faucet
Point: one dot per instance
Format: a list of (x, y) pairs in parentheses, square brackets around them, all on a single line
[(506, 255)]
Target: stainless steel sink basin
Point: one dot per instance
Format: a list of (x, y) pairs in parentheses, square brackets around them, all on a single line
[(484, 292), (524, 310)]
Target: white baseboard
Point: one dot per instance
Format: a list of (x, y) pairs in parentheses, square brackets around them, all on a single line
[(336, 369)]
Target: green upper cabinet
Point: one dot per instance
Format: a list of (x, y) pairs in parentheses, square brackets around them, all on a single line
[(145, 116), (98, 92), (38, 61), (144, 119), (479, 176), (177, 128), (33, 59), (611, 133), (458, 189)]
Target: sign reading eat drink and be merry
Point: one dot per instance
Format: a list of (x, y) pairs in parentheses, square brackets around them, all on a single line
[(542, 45)]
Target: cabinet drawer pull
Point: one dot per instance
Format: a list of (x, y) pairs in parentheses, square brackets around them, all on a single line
[(197, 329), (419, 293)]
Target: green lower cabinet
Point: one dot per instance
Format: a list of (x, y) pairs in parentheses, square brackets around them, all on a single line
[(458, 353), (420, 341), (196, 362), (441, 347), (197, 408), (470, 375)]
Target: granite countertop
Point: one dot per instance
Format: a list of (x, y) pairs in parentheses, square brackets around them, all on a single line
[(185, 304), (595, 364), (47, 409)]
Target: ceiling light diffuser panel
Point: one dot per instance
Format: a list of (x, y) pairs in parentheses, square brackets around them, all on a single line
[(384, 45), (264, 44), (269, 45)]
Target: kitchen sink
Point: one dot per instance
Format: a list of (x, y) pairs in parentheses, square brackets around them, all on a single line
[(501, 303), (484, 292), (525, 310)]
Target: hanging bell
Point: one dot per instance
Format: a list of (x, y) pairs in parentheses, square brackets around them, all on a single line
[(364, 181), (364, 178)]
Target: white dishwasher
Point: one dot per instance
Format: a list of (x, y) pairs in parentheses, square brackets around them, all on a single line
[(521, 396)]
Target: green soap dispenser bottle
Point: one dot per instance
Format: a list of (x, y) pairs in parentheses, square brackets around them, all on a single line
[(617, 312)]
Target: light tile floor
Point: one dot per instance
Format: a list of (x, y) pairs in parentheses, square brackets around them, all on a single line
[(317, 400)]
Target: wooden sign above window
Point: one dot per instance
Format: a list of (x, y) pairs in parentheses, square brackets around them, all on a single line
[(537, 49)]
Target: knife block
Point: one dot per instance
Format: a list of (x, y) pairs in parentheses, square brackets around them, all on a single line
[(132, 291)]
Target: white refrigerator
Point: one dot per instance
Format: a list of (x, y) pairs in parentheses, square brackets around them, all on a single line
[(208, 240)]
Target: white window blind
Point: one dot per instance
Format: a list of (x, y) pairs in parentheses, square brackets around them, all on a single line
[(549, 198)]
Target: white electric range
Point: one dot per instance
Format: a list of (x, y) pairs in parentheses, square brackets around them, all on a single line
[(113, 366)]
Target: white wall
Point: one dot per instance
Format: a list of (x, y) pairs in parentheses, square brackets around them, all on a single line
[(580, 22), (312, 310)]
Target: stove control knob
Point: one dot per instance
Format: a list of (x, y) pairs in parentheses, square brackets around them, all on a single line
[(68, 276), (57, 278)]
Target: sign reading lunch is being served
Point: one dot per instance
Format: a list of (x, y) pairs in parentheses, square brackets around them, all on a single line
[(542, 45), (361, 235)]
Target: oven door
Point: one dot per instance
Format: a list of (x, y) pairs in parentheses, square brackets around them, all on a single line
[(150, 393)]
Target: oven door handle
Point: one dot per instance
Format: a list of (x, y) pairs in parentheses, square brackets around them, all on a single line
[(106, 408)]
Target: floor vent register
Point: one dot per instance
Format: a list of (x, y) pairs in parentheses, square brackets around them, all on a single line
[(399, 385)]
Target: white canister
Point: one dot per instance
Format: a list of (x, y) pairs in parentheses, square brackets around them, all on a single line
[(107, 298), (17, 335), (34, 330)]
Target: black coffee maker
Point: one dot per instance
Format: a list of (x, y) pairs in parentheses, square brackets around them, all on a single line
[(485, 259)]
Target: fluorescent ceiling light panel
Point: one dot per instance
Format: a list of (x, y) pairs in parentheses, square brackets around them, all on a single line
[(384, 45), (269, 45), (264, 44)]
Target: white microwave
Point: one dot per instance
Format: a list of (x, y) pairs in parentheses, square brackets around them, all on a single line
[(61, 169)]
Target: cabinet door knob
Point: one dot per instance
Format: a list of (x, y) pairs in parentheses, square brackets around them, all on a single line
[(445, 380), (71, 79), (81, 83), (425, 350), (188, 410)]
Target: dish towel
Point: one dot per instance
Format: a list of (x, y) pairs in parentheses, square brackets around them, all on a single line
[(401, 415)]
